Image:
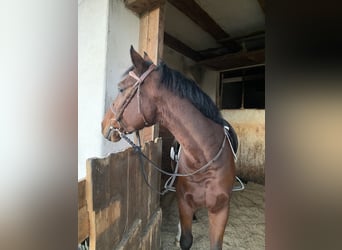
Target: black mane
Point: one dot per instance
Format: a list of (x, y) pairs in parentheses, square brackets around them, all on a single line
[(186, 88)]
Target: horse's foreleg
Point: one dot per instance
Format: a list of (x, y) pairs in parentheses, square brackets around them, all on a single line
[(185, 216), (194, 218), (217, 225)]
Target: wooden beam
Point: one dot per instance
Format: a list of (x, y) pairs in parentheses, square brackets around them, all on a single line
[(235, 60), (253, 34), (151, 41), (151, 36), (180, 47), (142, 6), (192, 10)]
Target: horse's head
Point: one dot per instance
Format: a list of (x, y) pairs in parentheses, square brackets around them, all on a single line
[(133, 108)]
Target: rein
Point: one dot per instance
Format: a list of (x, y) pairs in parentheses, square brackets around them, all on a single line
[(138, 149), (169, 183)]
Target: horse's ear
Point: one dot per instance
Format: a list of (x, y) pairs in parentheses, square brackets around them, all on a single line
[(146, 57), (137, 60)]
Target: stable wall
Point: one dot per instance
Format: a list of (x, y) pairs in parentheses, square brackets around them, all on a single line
[(249, 124), (106, 29), (181, 63), (92, 50), (123, 31)]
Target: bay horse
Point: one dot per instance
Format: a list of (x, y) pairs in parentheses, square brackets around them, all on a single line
[(150, 94)]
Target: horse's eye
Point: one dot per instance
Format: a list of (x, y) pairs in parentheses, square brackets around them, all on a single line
[(120, 90)]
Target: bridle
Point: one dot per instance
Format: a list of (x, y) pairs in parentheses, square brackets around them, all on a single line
[(135, 89)]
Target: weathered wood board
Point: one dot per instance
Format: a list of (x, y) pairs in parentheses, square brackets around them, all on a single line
[(83, 217), (124, 212)]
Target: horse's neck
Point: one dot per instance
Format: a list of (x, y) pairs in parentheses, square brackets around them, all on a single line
[(199, 136)]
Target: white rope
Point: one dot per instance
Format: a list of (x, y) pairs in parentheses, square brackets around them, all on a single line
[(242, 187), (226, 131)]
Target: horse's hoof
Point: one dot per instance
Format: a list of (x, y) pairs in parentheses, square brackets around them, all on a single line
[(194, 218)]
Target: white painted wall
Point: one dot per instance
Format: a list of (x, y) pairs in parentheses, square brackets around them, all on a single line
[(123, 31), (106, 29), (206, 79), (209, 82), (182, 64), (92, 49), (177, 61)]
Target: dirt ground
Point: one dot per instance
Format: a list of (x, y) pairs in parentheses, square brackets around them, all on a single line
[(245, 229)]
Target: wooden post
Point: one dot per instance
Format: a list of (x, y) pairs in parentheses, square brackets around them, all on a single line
[(151, 41)]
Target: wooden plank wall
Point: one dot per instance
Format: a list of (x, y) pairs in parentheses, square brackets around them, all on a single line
[(124, 212), (83, 216)]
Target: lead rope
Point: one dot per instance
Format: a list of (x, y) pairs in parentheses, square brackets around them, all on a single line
[(168, 186), (138, 149)]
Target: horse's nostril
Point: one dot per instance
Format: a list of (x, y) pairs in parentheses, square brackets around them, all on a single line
[(109, 133)]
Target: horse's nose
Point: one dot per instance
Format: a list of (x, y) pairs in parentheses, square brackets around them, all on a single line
[(105, 129)]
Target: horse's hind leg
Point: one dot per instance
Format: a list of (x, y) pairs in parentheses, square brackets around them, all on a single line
[(185, 216), (217, 225)]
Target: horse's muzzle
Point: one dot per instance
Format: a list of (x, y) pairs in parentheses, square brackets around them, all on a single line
[(111, 134)]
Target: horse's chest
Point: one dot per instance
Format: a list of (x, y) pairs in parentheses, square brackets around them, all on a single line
[(207, 194), (196, 199)]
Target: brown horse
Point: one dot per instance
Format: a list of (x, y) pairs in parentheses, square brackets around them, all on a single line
[(151, 94)]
